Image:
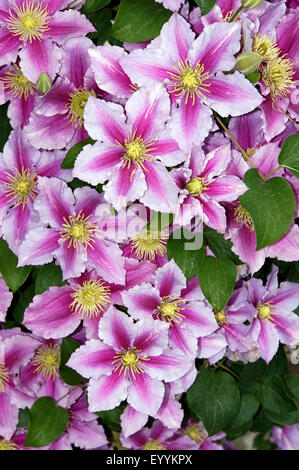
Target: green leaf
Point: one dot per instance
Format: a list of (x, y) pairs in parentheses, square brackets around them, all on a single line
[(5, 126), (47, 276), (23, 418), (159, 220), (13, 276), (179, 247), (249, 406), (289, 154), (47, 422), (23, 299), (292, 383), (91, 6), (214, 398), (274, 398), (111, 418), (139, 20), (253, 77), (219, 246), (73, 153), (205, 5), (283, 418), (271, 205), (69, 375), (255, 373), (261, 444), (217, 279), (261, 423)]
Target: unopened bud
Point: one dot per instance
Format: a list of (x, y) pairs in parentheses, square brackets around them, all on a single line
[(251, 3), (248, 62), (44, 83)]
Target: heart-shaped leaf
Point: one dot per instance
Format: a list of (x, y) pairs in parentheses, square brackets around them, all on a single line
[(13, 276), (271, 205)]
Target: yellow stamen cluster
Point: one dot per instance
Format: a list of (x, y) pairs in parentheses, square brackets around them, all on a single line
[(8, 445), (169, 310), (16, 83), (190, 80), (243, 217), (128, 361), (90, 299), (265, 311), (196, 186), (47, 361), (149, 243), (4, 377), (195, 433), (79, 231), (136, 151), (153, 444), (221, 318), (76, 105), (276, 71), (21, 186), (29, 21)]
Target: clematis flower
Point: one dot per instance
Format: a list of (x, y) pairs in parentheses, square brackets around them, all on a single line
[(16, 350), (5, 299), (192, 70), (129, 361), (240, 227), (175, 302), (40, 376), (231, 321), (204, 184), (32, 28), (21, 92), (285, 437), (58, 312), (158, 437), (72, 233), (128, 156), (173, 5), (197, 432), (57, 120), (274, 321), (20, 166)]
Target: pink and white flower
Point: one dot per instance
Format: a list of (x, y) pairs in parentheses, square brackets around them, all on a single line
[(71, 230), (128, 151), (129, 361), (192, 70)]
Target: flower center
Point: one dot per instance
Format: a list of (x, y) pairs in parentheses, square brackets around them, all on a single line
[(189, 80), (196, 186), (264, 311), (90, 299), (153, 444), (129, 361), (21, 186), (243, 217), (78, 231), (47, 360), (265, 46), (149, 243), (4, 377), (77, 103), (29, 21), (169, 310), (8, 445), (17, 84), (136, 151), (195, 433), (221, 318), (277, 75)]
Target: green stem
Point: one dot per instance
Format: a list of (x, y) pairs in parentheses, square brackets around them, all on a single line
[(273, 171), (236, 14), (244, 154), (71, 390), (229, 370)]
